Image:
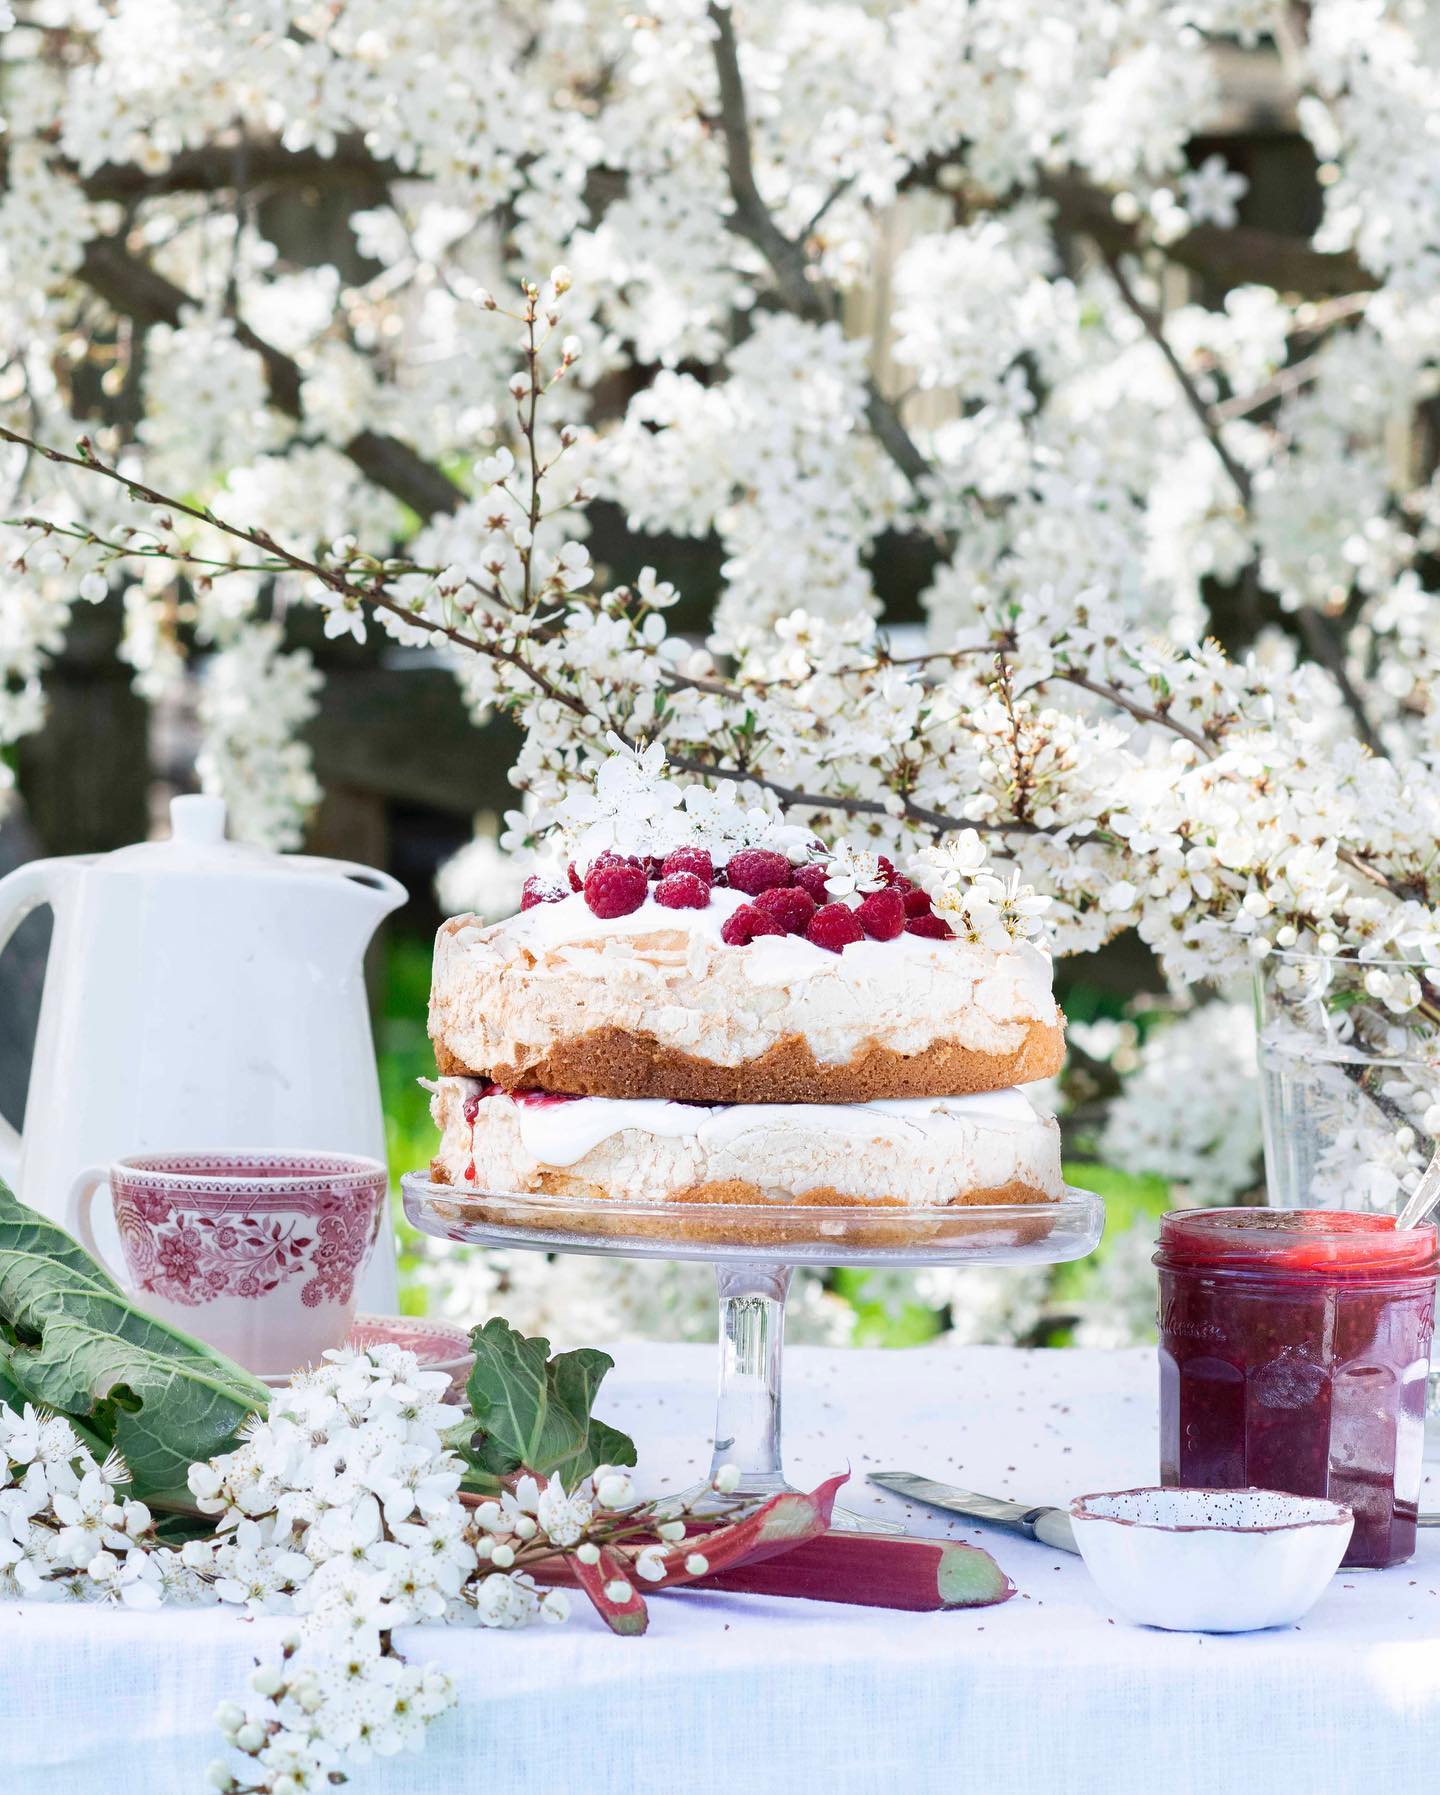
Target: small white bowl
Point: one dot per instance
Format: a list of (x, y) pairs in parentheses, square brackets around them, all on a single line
[(1211, 1561)]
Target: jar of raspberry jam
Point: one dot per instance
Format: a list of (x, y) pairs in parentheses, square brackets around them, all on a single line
[(1294, 1346)]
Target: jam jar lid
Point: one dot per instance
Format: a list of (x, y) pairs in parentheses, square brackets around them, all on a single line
[(1324, 1244)]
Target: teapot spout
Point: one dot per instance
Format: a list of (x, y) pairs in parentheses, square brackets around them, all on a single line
[(382, 894)]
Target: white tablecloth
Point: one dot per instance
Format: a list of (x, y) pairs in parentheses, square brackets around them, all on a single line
[(1046, 1694)]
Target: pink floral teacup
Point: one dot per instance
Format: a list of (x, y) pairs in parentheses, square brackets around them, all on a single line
[(256, 1253)]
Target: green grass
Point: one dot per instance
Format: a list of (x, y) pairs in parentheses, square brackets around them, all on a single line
[(405, 1057)]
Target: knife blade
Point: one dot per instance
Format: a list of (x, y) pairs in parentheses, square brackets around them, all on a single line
[(1050, 1526)]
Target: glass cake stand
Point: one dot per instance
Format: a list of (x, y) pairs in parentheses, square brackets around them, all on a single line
[(754, 1248)]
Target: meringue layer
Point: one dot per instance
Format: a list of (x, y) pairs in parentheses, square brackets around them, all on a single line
[(504, 996)]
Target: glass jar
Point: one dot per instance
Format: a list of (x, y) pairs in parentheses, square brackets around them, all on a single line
[(1294, 1347), (1349, 1069)]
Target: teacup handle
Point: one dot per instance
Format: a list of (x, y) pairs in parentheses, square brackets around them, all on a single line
[(77, 1216)]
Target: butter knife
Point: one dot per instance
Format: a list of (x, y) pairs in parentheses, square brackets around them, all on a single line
[(1050, 1526)]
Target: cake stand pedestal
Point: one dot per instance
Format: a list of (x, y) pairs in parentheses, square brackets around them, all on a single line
[(754, 1249)]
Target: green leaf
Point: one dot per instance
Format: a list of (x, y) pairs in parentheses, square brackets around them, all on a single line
[(532, 1412), (73, 1341)]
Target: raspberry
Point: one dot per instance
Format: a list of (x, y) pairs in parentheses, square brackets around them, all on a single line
[(811, 878), (791, 907), (682, 891), (754, 870), (917, 902), (882, 915), (887, 869), (576, 882), (901, 884), (691, 860), (833, 926), (931, 927), (742, 926), (615, 887), (540, 891), (654, 867)]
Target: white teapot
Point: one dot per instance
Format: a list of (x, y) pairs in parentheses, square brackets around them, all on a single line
[(199, 995)]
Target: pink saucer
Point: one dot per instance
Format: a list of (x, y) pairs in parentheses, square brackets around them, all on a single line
[(439, 1345)]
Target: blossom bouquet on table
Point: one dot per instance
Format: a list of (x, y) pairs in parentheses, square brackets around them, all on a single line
[(139, 1466)]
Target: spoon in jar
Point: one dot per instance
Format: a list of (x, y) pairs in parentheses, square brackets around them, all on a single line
[(1425, 1197)]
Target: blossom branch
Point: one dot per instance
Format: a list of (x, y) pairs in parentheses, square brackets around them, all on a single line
[(1312, 626), (135, 290), (803, 293), (1154, 329)]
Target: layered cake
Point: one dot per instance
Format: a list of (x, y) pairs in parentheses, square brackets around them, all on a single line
[(772, 1024)]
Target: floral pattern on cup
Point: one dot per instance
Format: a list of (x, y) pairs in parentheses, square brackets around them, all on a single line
[(191, 1256), (253, 1225)]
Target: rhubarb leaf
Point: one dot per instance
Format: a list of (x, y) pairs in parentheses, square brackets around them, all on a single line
[(532, 1412), (73, 1341)]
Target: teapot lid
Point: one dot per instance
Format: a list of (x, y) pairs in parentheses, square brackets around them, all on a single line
[(197, 844)]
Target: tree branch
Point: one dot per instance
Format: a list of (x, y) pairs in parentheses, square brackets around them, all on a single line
[(750, 218), (1313, 628), (789, 794), (1320, 640), (134, 289), (1239, 476), (334, 579), (1236, 255)]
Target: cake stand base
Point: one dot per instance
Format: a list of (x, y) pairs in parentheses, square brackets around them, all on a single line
[(754, 1249)]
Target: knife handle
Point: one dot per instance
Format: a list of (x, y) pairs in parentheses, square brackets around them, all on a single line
[(1052, 1528)]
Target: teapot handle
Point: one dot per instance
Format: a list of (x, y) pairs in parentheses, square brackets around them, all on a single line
[(22, 891)]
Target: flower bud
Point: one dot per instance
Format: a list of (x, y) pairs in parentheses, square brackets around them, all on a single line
[(727, 1479), (218, 1775), (265, 1679), (251, 1737), (204, 1480), (618, 1591), (697, 1564), (589, 1553), (614, 1491), (503, 1557)]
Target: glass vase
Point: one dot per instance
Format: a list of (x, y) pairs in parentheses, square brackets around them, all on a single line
[(1349, 1078)]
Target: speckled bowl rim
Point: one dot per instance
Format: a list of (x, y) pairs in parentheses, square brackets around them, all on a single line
[(1079, 1512)]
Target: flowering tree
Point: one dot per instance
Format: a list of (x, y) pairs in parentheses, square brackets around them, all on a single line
[(830, 281)]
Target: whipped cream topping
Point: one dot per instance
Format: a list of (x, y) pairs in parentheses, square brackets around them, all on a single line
[(561, 1134), (922, 1151), (557, 970)]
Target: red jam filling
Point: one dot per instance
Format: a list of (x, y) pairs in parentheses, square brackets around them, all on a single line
[(1294, 1346), (531, 1099)]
